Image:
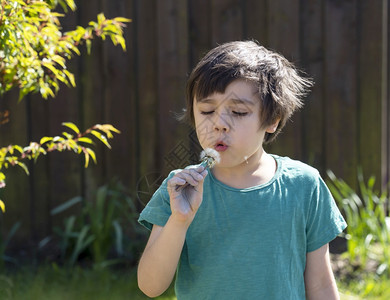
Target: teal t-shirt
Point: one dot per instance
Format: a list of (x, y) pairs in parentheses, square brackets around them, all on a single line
[(252, 243)]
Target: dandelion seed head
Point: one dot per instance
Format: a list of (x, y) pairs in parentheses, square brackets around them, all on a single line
[(210, 157)]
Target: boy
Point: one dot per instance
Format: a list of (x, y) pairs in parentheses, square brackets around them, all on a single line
[(256, 226)]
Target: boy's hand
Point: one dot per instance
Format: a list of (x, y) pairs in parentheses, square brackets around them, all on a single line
[(186, 200)]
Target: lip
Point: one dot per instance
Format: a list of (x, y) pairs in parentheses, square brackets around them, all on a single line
[(220, 146)]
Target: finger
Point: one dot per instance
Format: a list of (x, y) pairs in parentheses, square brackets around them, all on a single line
[(189, 179), (191, 176), (197, 168), (204, 173), (174, 181), (181, 180), (199, 186)]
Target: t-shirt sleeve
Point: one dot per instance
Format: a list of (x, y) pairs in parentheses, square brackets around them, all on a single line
[(324, 221), (158, 209)]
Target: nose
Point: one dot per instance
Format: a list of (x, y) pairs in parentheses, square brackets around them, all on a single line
[(220, 123)]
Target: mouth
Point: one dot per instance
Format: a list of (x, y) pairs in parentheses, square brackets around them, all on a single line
[(220, 146)]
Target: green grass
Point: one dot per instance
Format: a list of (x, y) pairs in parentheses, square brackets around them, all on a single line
[(60, 284), (367, 287), (52, 282)]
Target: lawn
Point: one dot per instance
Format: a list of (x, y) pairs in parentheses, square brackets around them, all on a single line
[(364, 286), (52, 282), (48, 283)]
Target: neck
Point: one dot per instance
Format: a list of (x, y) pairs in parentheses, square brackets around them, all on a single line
[(254, 170)]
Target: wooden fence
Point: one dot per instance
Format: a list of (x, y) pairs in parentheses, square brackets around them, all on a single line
[(342, 45)]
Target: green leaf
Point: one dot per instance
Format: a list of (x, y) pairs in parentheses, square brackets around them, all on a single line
[(88, 44), (85, 140), (86, 156), (51, 68), (45, 139), (111, 128), (101, 18), (92, 154), (2, 206), (83, 240), (101, 137), (71, 4), (118, 237), (122, 20), (59, 60), (23, 166), (70, 77), (65, 205), (67, 135), (11, 233), (58, 139), (71, 126)]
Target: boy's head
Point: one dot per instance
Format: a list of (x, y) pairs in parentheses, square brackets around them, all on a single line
[(279, 86)]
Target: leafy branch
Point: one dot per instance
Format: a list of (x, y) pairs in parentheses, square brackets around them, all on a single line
[(33, 56), (77, 141), (34, 51)]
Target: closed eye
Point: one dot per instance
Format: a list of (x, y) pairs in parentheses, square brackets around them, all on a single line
[(239, 114), (207, 112)]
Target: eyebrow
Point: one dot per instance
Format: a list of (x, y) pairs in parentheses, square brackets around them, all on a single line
[(233, 100)]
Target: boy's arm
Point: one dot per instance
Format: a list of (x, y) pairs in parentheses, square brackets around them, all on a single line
[(319, 279), (158, 263)]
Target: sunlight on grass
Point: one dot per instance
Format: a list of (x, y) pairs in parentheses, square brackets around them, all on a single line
[(368, 287), (53, 282), (348, 297), (60, 284)]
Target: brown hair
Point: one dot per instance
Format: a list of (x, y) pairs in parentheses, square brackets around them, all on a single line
[(280, 86)]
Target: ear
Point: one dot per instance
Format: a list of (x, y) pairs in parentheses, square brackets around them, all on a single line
[(272, 128)]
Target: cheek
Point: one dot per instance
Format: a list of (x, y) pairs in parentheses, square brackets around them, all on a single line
[(249, 134), (203, 128)]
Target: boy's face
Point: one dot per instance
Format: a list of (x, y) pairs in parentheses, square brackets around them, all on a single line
[(230, 123)]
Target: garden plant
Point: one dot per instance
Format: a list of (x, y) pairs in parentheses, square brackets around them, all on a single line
[(366, 267), (34, 53)]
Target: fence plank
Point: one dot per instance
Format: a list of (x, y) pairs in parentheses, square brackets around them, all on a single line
[(284, 38), (385, 139), (312, 57), (255, 21), (16, 193), (370, 87), (38, 126), (64, 170), (199, 29), (226, 21), (147, 86), (119, 101), (93, 93), (172, 67), (341, 90)]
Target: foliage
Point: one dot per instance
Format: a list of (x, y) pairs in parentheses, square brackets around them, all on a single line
[(5, 287), (368, 231), (78, 142), (99, 228), (33, 50), (33, 56), (368, 286), (4, 244)]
